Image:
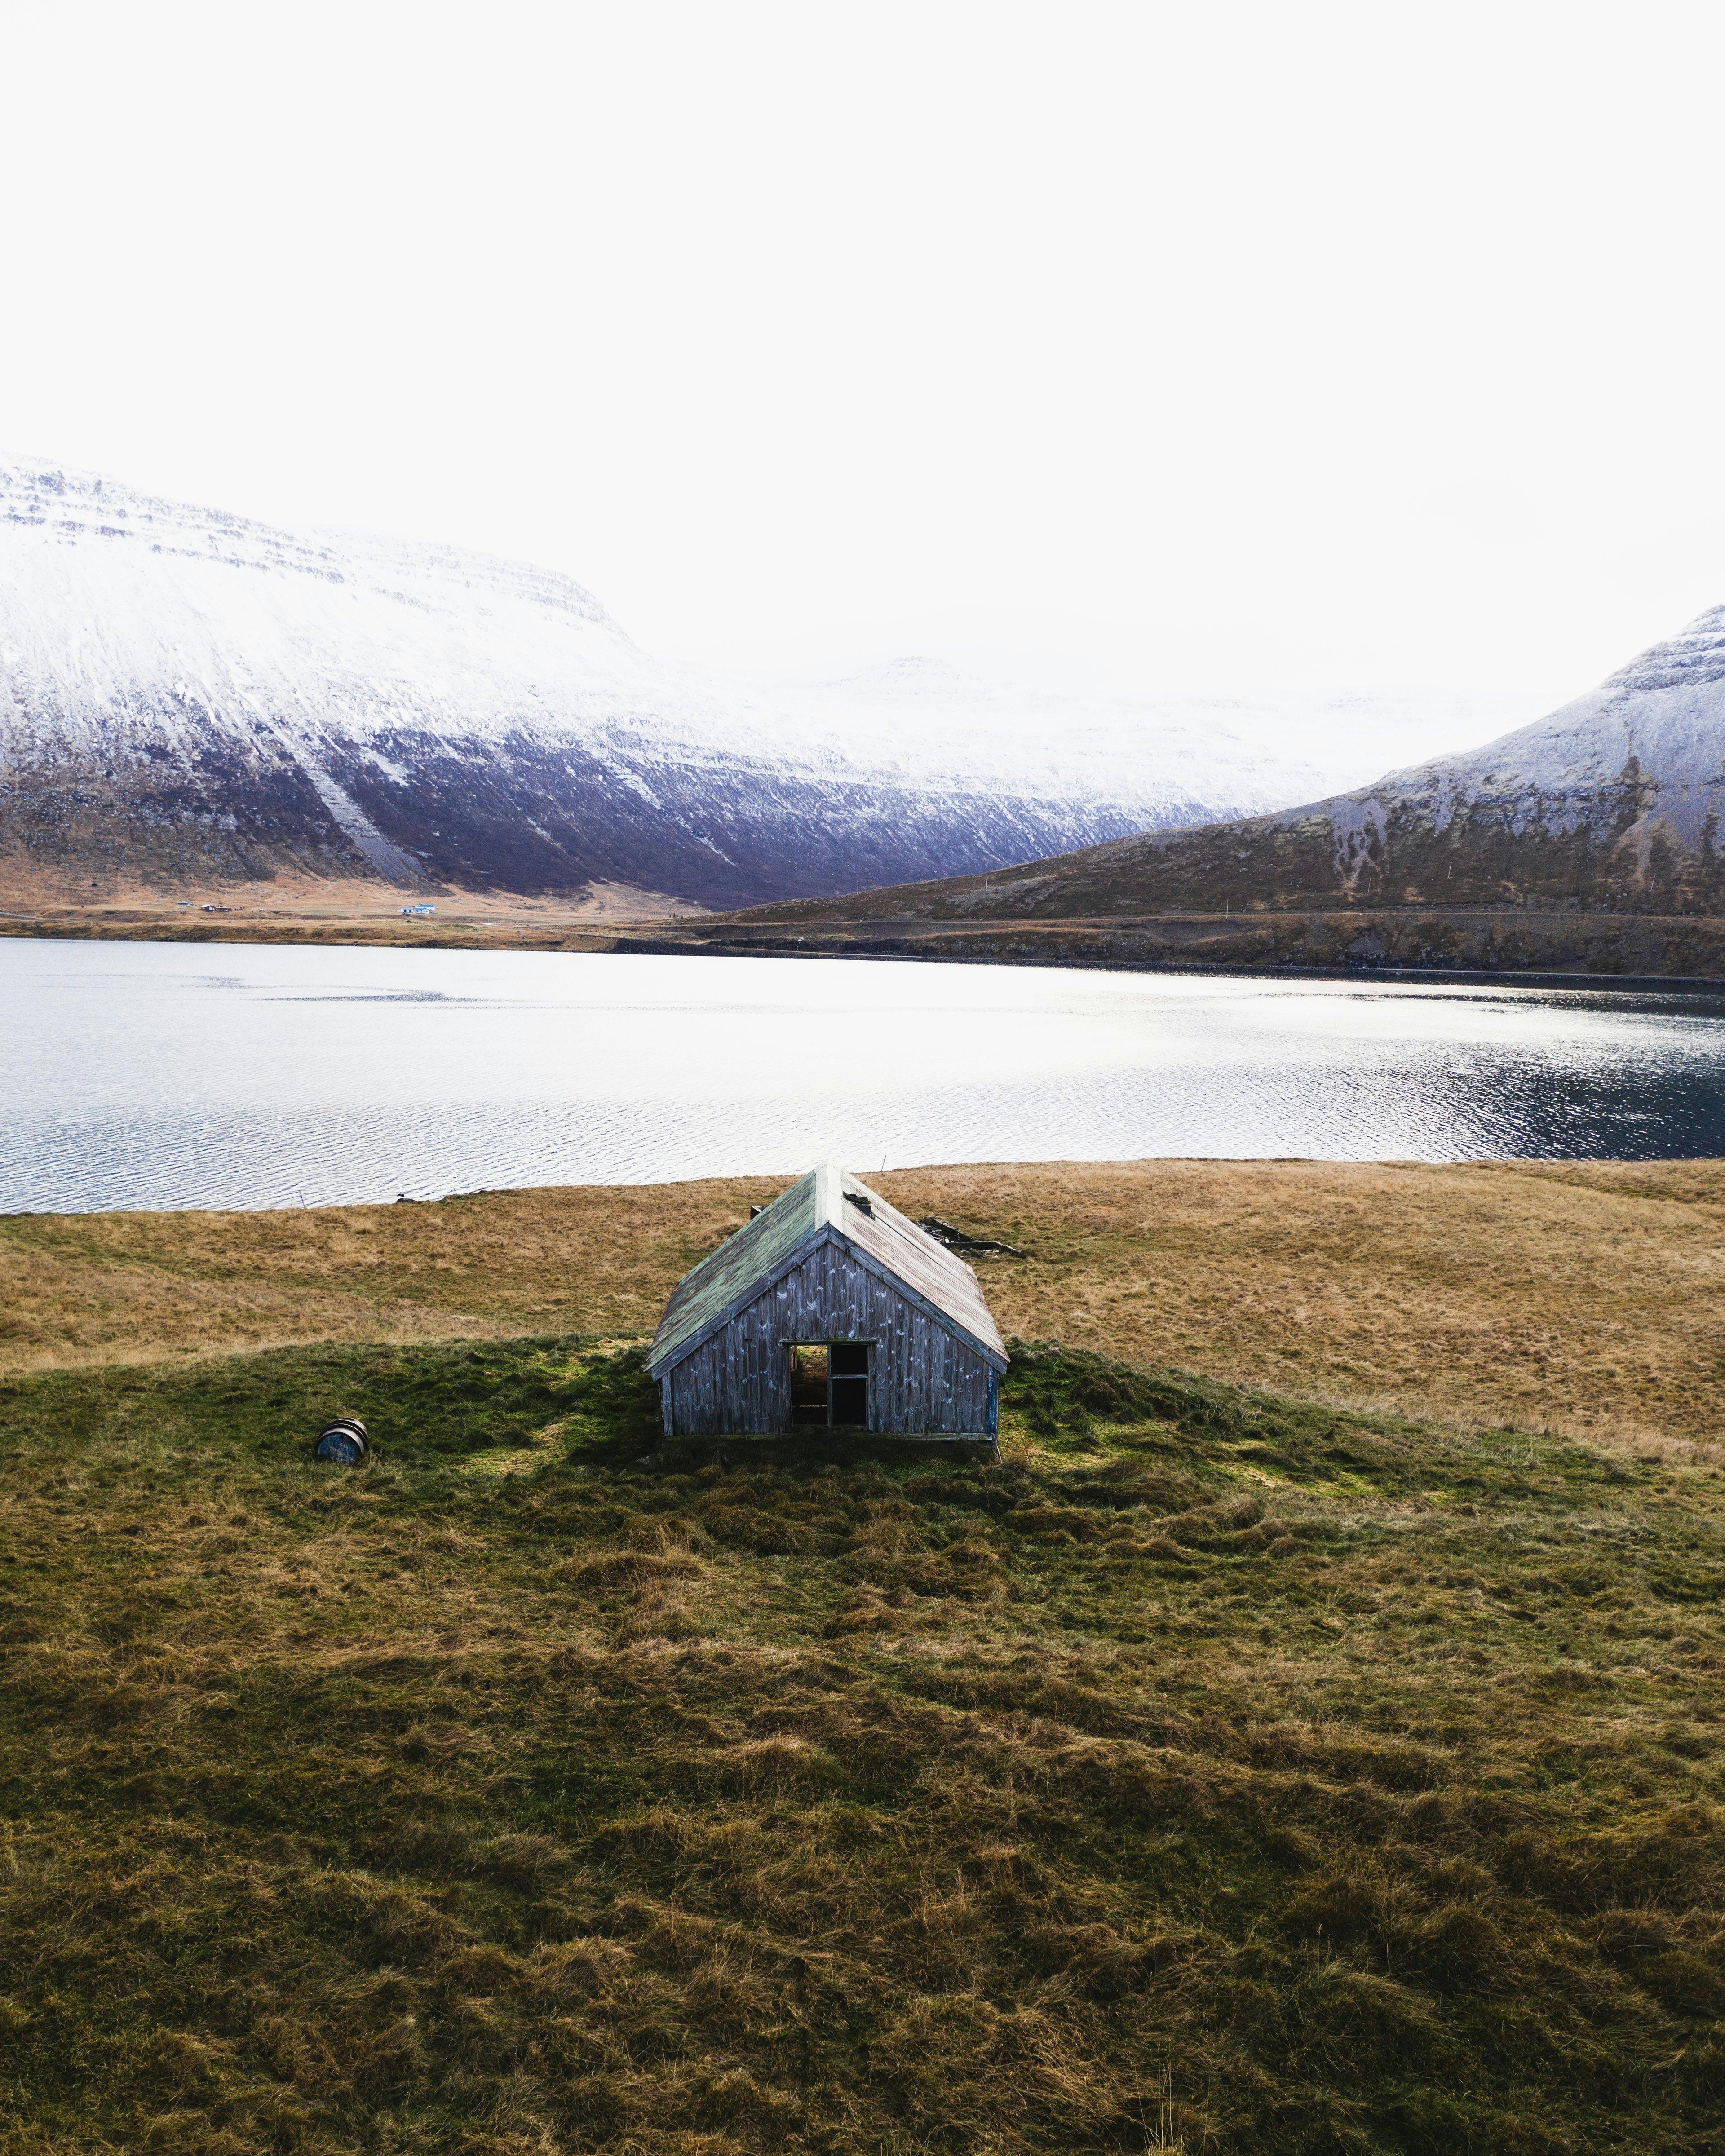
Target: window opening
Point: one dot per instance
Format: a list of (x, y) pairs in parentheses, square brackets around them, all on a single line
[(848, 1361), (830, 1384)]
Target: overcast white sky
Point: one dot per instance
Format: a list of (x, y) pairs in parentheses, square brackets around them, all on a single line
[(1199, 346)]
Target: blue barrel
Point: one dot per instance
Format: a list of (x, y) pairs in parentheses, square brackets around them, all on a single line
[(342, 1442)]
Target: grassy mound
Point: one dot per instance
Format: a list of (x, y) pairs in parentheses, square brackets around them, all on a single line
[(1215, 1772)]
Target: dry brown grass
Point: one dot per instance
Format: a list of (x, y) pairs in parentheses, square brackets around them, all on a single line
[(1581, 1299), (1585, 1298), (298, 909), (92, 1288)]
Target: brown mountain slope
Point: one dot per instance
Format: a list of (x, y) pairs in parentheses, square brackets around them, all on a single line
[(1612, 804), (1585, 844)]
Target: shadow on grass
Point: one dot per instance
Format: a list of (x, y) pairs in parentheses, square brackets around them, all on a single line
[(1208, 1771)]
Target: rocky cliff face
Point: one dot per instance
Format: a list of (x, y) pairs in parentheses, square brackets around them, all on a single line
[(1614, 800), (186, 695), (1612, 804)]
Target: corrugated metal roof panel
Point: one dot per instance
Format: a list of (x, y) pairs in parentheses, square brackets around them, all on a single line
[(822, 1200), (939, 1276)]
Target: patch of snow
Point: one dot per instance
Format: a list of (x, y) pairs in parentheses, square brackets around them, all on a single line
[(1660, 720), (126, 619)]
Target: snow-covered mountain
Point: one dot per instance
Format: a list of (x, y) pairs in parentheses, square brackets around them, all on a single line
[(1091, 744), (1258, 749), (1613, 799), (185, 693), (1614, 802)]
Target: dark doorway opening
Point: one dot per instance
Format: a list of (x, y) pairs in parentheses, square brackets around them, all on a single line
[(809, 1380), (830, 1384)]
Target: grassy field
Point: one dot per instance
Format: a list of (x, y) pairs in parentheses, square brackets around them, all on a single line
[(1215, 1772), (1581, 1299), (1488, 942), (297, 909), (1224, 1770)]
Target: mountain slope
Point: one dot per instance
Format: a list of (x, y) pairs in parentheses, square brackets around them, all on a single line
[(185, 693), (1261, 749), (1612, 802)]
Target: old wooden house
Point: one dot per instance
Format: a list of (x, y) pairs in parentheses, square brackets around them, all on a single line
[(829, 1310)]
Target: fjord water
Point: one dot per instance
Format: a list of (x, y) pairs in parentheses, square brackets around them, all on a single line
[(142, 1075)]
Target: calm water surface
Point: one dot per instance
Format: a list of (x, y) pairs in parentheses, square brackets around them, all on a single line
[(157, 1075)]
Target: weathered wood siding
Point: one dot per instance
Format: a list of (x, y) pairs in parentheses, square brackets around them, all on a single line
[(923, 1381)]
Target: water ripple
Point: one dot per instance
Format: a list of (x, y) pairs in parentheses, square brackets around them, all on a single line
[(326, 1076)]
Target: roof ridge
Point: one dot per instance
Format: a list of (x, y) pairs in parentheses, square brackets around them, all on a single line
[(754, 1252)]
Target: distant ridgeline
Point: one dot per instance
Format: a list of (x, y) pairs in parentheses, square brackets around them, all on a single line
[(1612, 804), (187, 695)]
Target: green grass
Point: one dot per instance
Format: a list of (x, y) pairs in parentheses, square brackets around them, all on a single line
[(1214, 1772)]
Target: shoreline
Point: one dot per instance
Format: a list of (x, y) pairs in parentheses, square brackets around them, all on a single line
[(294, 933), (468, 933), (1454, 977)]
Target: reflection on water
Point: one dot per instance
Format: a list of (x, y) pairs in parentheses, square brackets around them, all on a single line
[(153, 1074)]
